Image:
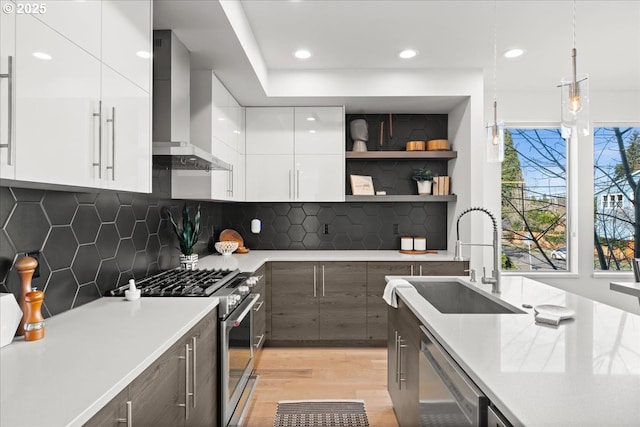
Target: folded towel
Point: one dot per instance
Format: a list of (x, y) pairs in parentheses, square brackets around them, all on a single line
[(390, 291), (548, 319)]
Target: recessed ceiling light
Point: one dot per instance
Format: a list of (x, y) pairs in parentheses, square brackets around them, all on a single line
[(514, 53), (407, 53), (143, 54), (312, 131), (42, 55), (302, 54), (311, 119)]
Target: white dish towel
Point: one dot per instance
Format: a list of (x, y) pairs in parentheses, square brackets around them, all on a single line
[(390, 291)]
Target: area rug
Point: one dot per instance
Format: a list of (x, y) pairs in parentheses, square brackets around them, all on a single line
[(315, 413)]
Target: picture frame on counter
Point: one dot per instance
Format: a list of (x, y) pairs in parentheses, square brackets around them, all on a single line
[(361, 185)]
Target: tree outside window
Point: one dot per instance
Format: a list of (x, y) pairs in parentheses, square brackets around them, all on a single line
[(616, 176), (534, 196)]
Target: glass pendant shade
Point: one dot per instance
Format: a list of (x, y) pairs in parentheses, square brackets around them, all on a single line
[(495, 142), (575, 105)]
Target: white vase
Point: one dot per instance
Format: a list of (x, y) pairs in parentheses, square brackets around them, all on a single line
[(10, 316), (424, 187), (189, 262)]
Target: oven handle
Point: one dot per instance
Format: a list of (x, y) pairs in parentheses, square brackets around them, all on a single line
[(246, 307)]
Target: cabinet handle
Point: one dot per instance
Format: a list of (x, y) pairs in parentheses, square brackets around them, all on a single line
[(400, 376), (290, 184), (194, 367), (297, 184), (322, 279), (112, 120), (260, 338), (99, 116), (421, 270), (186, 381), (397, 350), (315, 275), (258, 306), (232, 181), (9, 77), (129, 419)]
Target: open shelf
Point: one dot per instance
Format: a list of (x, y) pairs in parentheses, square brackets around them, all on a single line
[(401, 155), (401, 198)]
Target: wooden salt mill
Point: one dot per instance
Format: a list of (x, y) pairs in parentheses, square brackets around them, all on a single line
[(26, 266), (34, 323)]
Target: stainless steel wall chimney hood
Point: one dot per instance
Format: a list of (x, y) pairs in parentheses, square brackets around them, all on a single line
[(171, 112)]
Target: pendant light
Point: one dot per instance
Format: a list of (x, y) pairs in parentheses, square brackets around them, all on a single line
[(575, 95), (495, 130)]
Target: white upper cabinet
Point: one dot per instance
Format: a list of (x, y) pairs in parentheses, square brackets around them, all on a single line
[(126, 115), (126, 39), (61, 120), (269, 130), (78, 21), (294, 154), (319, 130), (7, 94), (57, 90)]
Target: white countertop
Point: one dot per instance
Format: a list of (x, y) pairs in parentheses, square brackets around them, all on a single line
[(629, 288), (254, 259), (88, 355), (584, 372)]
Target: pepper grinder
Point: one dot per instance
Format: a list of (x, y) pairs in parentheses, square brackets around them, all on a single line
[(26, 266), (34, 323)]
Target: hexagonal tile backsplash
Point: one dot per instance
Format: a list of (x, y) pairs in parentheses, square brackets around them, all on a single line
[(91, 242)]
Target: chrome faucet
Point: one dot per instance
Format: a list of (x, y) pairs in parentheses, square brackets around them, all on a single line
[(495, 274)]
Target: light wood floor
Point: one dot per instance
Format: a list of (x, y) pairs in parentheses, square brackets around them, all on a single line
[(322, 373)]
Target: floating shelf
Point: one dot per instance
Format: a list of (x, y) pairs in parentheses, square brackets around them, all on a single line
[(401, 155), (401, 198)]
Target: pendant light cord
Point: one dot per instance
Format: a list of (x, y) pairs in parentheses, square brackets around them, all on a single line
[(495, 51)]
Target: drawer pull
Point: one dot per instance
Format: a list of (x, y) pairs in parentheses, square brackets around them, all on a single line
[(258, 306)]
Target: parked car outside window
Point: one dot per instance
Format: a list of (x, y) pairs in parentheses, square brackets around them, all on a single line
[(560, 253)]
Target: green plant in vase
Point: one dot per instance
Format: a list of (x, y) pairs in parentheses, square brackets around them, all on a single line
[(424, 180), (187, 236)]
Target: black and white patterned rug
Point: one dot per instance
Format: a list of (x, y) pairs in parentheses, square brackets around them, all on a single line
[(315, 413)]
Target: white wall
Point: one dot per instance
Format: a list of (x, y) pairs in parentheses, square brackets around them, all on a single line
[(606, 108)]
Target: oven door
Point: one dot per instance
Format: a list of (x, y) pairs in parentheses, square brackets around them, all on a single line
[(236, 345)]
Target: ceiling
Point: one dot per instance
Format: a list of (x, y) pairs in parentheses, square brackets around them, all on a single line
[(249, 44)]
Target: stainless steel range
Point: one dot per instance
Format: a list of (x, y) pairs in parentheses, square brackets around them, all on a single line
[(235, 311)]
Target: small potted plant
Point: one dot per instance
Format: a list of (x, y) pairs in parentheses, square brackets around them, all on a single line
[(187, 236), (424, 179)]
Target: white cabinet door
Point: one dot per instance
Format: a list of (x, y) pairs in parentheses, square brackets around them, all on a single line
[(126, 136), (7, 93), (269, 130), (78, 21), (319, 130), (319, 178), (56, 99), (126, 39), (269, 178), (222, 180)]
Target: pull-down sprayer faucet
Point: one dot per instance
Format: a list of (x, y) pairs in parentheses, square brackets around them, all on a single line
[(495, 274)]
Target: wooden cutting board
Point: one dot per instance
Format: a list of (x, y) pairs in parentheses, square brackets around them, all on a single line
[(230, 235)]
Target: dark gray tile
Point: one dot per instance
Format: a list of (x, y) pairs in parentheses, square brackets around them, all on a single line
[(107, 205), (139, 206), (107, 241), (311, 208), (153, 269), (372, 241), (60, 248), (296, 215), (86, 224), (86, 263), (7, 255), (357, 216), (124, 255), (281, 224), (86, 293), (124, 277), (27, 227), (296, 233), (280, 208), (326, 215), (86, 198), (153, 248), (125, 221), (59, 207), (165, 259), (311, 241), (140, 265), (125, 198), (417, 216), (342, 241), (140, 235), (27, 194), (60, 291), (7, 202), (153, 219), (108, 274), (282, 241), (311, 224)]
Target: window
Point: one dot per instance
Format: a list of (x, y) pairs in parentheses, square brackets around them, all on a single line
[(534, 195), (616, 175)]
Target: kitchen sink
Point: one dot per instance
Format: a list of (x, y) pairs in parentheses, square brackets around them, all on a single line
[(454, 297)]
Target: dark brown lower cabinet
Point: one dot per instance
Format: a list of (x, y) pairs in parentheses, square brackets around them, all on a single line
[(403, 346), (178, 389), (318, 302)]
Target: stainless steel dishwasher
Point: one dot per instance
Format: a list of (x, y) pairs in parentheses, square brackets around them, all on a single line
[(448, 397)]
